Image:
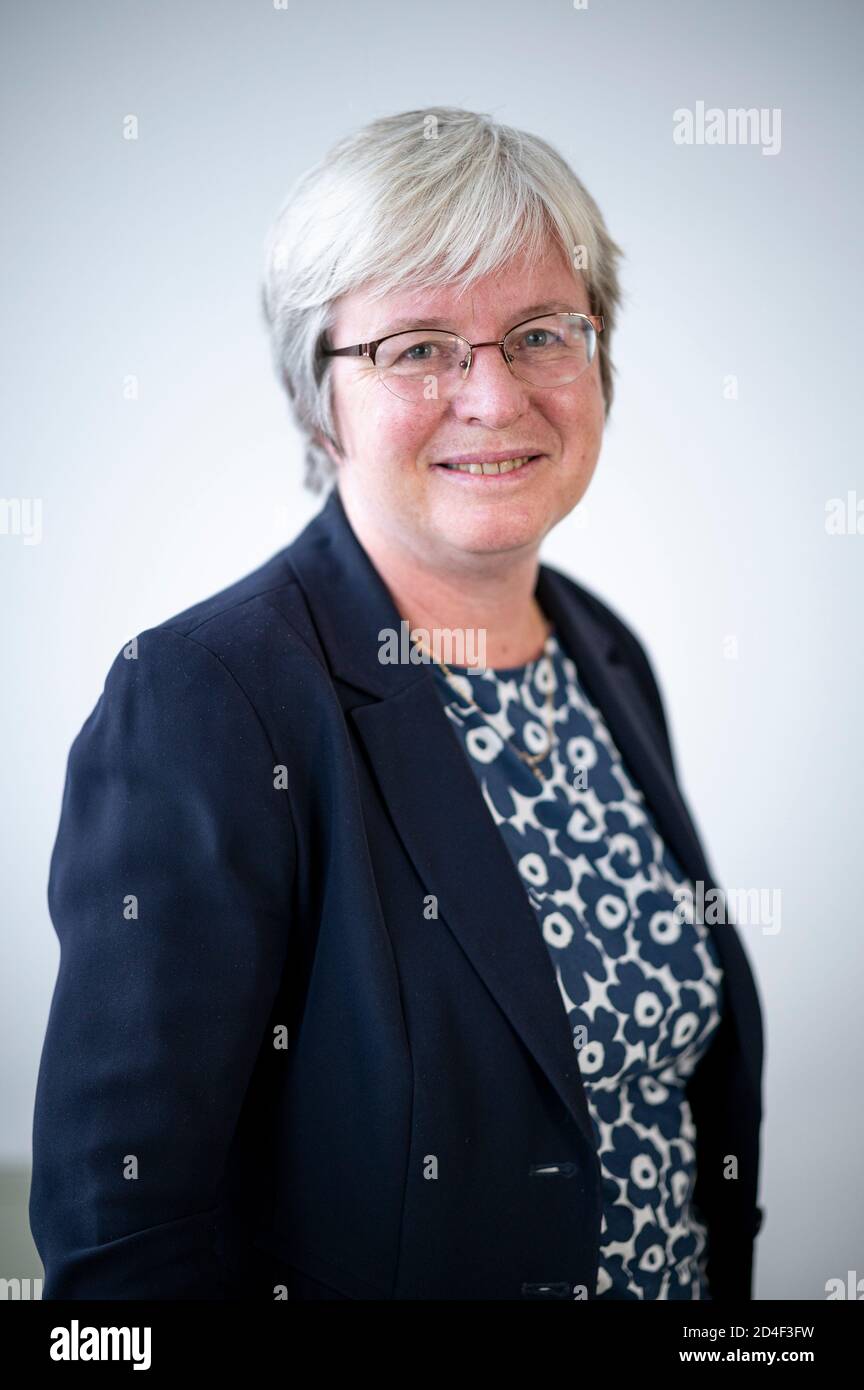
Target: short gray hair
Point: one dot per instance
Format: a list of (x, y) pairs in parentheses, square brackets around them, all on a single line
[(419, 199)]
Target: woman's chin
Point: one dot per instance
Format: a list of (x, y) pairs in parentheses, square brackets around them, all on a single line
[(493, 531)]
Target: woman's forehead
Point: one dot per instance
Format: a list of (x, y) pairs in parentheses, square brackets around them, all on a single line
[(506, 297)]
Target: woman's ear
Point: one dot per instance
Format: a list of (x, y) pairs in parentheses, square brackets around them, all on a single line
[(330, 447)]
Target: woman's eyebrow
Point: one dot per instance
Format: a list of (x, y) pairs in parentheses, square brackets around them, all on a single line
[(418, 321)]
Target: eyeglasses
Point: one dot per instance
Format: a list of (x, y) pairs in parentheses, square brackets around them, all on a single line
[(429, 364)]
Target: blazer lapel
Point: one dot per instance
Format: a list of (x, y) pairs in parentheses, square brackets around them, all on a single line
[(461, 857), (434, 798), (611, 687)]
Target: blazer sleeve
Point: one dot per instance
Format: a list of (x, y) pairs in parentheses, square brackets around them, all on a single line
[(169, 890)]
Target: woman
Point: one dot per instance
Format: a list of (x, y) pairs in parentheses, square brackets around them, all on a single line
[(375, 980)]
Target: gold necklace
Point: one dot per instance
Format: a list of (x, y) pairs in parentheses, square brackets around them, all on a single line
[(532, 759)]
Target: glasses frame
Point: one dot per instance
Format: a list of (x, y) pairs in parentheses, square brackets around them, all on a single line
[(369, 350)]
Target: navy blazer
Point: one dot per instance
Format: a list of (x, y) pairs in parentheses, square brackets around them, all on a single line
[(266, 1066)]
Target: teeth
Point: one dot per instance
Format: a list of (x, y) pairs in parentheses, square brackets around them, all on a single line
[(506, 466)]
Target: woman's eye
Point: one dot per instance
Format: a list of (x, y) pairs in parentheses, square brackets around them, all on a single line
[(416, 353), (538, 338)]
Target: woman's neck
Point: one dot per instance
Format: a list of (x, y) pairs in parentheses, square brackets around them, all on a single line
[(494, 635), (490, 605)]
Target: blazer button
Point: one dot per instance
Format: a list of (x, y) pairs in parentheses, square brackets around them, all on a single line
[(553, 1170), (546, 1291)]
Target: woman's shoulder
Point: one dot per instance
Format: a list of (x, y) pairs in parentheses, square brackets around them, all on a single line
[(247, 611), (248, 650), (621, 636), (247, 625), (599, 610)]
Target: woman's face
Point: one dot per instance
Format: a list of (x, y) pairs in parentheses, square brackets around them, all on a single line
[(391, 474)]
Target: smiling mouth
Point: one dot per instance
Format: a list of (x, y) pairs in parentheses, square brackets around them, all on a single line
[(490, 470)]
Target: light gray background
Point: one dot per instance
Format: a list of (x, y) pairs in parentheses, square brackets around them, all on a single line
[(706, 518)]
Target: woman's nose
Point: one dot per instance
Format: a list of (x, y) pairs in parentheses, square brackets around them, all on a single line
[(490, 389)]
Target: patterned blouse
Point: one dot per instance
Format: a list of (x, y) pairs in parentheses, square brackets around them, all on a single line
[(641, 988)]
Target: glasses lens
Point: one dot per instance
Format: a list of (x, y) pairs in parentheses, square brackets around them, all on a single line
[(430, 365), (419, 365), (552, 350)]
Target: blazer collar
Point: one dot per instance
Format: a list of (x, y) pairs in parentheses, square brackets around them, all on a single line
[(350, 606), (436, 802)]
